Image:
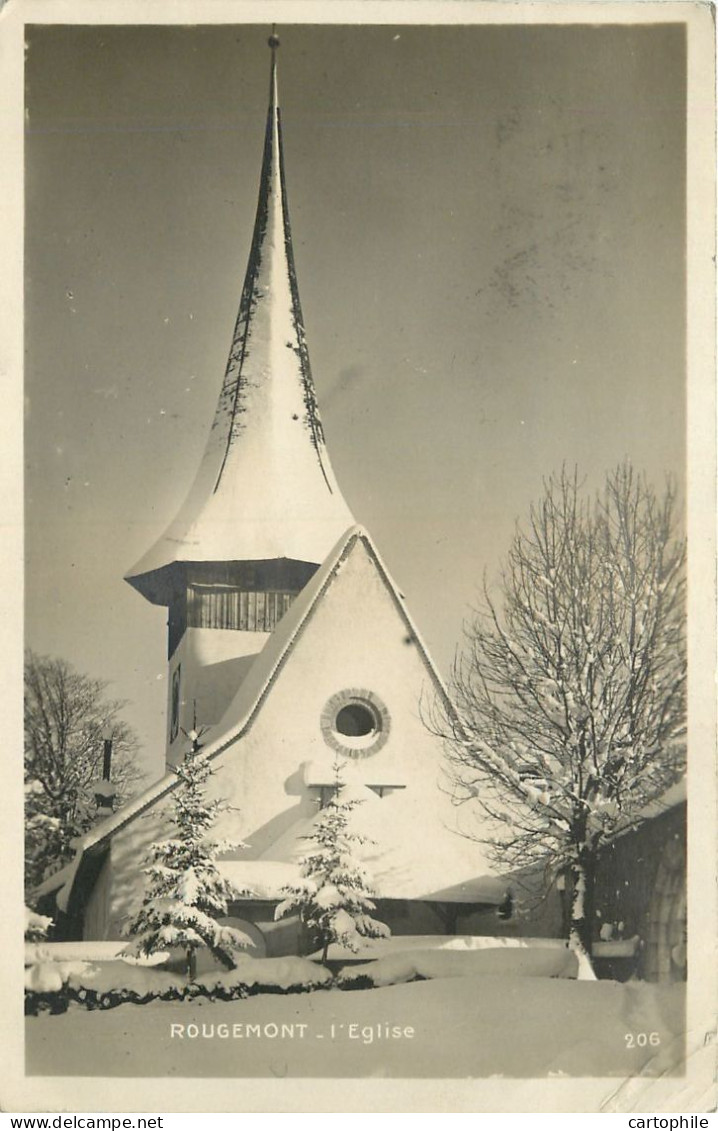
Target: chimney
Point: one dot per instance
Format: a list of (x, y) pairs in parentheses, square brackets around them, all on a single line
[(103, 789)]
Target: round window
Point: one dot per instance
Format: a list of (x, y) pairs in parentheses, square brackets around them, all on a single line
[(355, 723), (355, 720)]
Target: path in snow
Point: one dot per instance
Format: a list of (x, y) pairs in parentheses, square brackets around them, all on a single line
[(463, 1027)]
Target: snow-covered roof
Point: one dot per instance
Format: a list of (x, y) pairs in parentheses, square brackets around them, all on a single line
[(104, 829), (391, 826), (397, 877), (55, 881), (321, 773), (265, 879), (256, 685), (265, 488), (278, 648), (675, 795)]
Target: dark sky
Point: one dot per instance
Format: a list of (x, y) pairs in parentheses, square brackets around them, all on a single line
[(489, 234)]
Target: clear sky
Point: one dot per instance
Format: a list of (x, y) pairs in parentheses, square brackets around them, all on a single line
[(489, 235)]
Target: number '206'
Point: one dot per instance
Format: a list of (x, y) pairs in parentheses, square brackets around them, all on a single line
[(640, 1040)]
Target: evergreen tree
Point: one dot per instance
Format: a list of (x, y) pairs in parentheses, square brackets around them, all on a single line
[(333, 896), (186, 891)]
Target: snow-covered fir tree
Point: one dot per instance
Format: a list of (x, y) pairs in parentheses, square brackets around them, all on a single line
[(333, 895), (185, 890)]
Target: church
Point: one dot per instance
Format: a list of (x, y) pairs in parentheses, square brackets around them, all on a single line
[(290, 646)]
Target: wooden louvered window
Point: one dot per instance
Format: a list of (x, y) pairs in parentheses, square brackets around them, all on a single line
[(223, 606)]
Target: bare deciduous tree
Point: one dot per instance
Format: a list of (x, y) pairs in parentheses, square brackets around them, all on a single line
[(570, 697), (66, 719)]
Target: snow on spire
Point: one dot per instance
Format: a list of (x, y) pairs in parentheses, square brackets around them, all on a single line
[(265, 488)]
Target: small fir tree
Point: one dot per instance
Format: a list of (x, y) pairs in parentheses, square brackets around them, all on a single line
[(186, 891), (333, 895)]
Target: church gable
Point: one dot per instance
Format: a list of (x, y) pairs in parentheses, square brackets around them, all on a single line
[(352, 680), (344, 675)]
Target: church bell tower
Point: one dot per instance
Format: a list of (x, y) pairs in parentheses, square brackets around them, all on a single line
[(265, 509)]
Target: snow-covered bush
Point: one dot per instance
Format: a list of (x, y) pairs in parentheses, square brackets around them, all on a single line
[(277, 975), (54, 986), (412, 965), (36, 926), (42, 975)]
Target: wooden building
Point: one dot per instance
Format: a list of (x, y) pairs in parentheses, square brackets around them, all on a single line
[(641, 894)]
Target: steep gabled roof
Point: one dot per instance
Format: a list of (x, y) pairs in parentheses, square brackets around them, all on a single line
[(265, 488), (257, 684), (265, 669)]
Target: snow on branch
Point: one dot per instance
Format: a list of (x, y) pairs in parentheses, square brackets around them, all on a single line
[(569, 695), (333, 896), (185, 892)]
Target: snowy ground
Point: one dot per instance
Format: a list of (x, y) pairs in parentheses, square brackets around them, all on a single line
[(461, 1027)]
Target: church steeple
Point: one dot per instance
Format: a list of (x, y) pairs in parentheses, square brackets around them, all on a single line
[(265, 509), (265, 489)]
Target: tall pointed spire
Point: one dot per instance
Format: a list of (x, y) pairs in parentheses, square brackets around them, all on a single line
[(265, 488)]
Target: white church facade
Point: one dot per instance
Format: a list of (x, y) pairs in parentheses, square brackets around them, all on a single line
[(291, 646)]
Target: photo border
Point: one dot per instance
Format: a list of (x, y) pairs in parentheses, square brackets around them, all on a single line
[(696, 1090)]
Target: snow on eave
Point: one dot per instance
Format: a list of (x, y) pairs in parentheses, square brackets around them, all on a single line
[(55, 881), (319, 773), (265, 879), (270, 661), (390, 861), (128, 812), (103, 831), (400, 604), (674, 796), (489, 890)]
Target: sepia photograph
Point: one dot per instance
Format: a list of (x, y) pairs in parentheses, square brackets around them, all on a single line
[(368, 639)]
